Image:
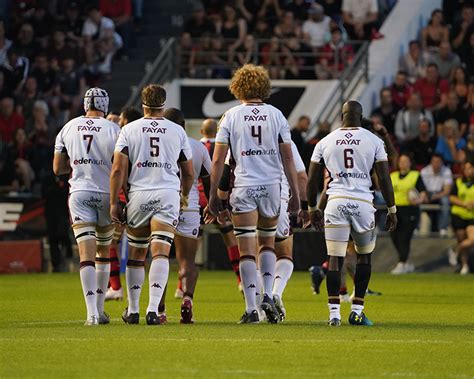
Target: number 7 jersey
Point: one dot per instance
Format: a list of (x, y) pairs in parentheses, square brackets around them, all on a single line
[(254, 132), (89, 143), (349, 154), (154, 147)]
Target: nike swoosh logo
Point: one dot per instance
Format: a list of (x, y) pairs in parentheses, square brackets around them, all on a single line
[(210, 108)]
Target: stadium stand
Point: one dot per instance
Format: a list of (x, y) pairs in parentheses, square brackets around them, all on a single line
[(50, 53)]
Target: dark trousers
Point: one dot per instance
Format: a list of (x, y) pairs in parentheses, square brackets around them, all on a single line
[(58, 236), (408, 218)]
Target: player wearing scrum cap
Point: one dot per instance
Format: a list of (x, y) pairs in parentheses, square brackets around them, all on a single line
[(85, 146), (157, 150), (349, 154), (260, 138)]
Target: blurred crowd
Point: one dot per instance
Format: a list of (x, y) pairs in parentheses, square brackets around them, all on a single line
[(50, 53), (299, 39)]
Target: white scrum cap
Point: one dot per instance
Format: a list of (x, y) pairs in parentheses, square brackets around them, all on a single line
[(96, 99)]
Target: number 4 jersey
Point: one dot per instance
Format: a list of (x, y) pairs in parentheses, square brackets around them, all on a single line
[(89, 142), (254, 132), (349, 155), (154, 147)]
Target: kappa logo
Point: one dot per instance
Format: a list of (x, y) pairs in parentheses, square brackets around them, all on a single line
[(277, 277), (135, 287), (99, 291), (251, 286), (156, 285), (267, 274), (90, 293), (77, 218)]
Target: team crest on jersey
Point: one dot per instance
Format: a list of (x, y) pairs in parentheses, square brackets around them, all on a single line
[(255, 111)]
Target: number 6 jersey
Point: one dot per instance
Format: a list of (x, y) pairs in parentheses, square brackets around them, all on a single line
[(254, 132), (349, 155), (154, 147), (89, 142)]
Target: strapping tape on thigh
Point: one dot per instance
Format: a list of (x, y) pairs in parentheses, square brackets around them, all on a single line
[(336, 248), (367, 249), (266, 232), (138, 242), (162, 237), (118, 233), (245, 231), (84, 233), (104, 238)]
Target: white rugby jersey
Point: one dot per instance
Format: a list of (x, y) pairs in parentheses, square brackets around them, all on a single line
[(202, 167), (349, 155), (254, 132), (89, 142), (299, 166), (154, 147)]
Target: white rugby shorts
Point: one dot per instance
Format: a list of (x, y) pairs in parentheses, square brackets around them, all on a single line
[(344, 217), (283, 227), (162, 204), (264, 198), (89, 207), (189, 223)]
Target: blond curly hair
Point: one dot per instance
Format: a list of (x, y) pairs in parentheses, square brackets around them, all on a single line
[(250, 82)]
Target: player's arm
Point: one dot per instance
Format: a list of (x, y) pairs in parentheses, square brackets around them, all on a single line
[(302, 184), (187, 176), (315, 178), (61, 164), (290, 172), (117, 175), (385, 184), (218, 163), (390, 147), (205, 173)]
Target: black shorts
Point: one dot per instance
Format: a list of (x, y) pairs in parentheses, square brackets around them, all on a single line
[(459, 223)]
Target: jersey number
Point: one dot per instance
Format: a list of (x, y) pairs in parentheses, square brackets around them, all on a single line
[(155, 149), (348, 159), (88, 138), (257, 133)]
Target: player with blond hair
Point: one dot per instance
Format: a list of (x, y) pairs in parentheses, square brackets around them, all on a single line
[(260, 139)]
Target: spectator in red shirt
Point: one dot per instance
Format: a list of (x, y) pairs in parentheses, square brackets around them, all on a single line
[(401, 89), (335, 56), (120, 11), (433, 89), (10, 121)]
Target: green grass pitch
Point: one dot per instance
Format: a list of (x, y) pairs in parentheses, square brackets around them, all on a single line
[(424, 327)]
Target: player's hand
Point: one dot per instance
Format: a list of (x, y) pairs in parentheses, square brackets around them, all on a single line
[(116, 214), (183, 201), (294, 205), (224, 217), (303, 218), (391, 222), (208, 217), (317, 220), (214, 205)]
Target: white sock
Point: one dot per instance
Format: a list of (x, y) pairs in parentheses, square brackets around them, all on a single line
[(134, 277), (89, 287), (158, 277), (357, 308), (259, 289), (248, 274), (267, 263), (283, 271), (102, 272), (334, 311)]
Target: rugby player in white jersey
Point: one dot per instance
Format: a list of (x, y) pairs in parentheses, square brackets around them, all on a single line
[(186, 241), (284, 238), (157, 150), (259, 138), (85, 147), (349, 154)]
